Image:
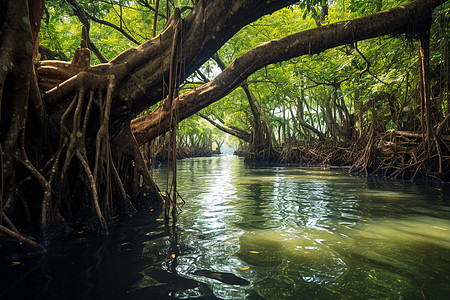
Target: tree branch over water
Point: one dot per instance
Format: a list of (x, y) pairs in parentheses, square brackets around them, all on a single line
[(409, 18)]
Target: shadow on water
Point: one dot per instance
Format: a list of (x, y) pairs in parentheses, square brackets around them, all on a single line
[(138, 259), (257, 232)]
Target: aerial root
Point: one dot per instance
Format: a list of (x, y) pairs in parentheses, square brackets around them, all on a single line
[(100, 171), (74, 123), (129, 148), (393, 154), (363, 163), (405, 154), (17, 237), (94, 193), (313, 152), (126, 201), (77, 146)]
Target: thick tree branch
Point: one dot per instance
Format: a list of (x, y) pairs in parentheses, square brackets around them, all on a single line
[(146, 67), (205, 30), (406, 18)]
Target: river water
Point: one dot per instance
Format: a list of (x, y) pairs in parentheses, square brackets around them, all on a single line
[(257, 232)]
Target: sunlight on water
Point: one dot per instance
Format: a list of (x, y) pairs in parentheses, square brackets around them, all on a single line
[(389, 256), (260, 232), (316, 232), (386, 194), (419, 230), (272, 246)]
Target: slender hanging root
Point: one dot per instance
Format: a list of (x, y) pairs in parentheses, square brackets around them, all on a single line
[(129, 206), (438, 149), (102, 138), (76, 138), (44, 183), (362, 164), (45, 187), (62, 123), (93, 187)]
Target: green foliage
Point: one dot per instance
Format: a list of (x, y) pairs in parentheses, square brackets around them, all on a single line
[(63, 31), (314, 79)]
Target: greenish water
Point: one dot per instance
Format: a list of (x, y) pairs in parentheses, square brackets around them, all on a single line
[(291, 233)]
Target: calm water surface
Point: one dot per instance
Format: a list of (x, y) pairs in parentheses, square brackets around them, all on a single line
[(290, 233)]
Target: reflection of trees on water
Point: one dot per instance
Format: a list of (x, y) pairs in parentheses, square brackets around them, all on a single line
[(166, 276), (304, 233), (297, 208), (134, 262), (252, 208), (309, 199), (139, 260)]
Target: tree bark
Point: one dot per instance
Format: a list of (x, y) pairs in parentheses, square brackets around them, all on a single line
[(204, 31), (16, 79)]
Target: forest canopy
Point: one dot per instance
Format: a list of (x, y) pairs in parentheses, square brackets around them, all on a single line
[(91, 92)]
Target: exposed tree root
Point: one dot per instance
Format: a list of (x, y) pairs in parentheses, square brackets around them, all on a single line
[(85, 122), (397, 154), (406, 154), (15, 236), (4, 219), (91, 175)]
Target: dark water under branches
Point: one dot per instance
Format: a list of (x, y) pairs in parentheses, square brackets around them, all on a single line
[(257, 233)]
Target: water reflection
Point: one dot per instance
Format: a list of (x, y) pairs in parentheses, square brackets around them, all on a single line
[(312, 231), (292, 233)]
